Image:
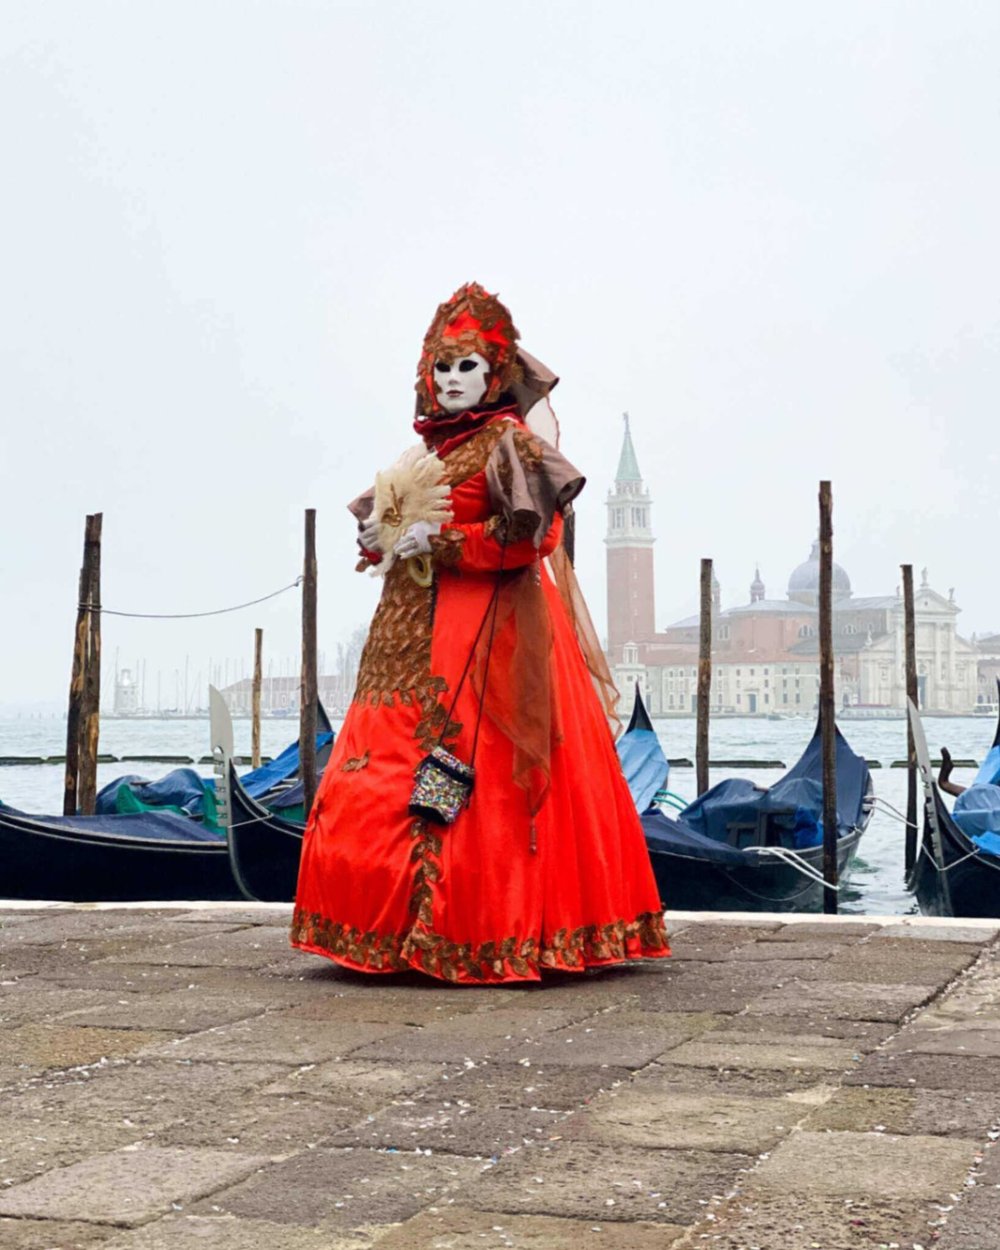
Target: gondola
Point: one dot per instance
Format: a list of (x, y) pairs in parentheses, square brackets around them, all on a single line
[(693, 870), (152, 856), (264, 847), (951, 875), (740, 847), (125, 857)]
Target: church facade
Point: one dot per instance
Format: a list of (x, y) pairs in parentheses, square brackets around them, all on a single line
[(765, 653)]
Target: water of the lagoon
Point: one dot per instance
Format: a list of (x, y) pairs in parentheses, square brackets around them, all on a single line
[(876, 880)]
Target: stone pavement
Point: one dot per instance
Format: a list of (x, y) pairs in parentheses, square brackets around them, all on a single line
[(178, 1077)]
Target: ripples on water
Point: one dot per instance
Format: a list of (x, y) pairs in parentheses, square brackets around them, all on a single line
[(876, 882)]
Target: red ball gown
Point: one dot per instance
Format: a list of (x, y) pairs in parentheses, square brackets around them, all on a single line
[(546, 868)]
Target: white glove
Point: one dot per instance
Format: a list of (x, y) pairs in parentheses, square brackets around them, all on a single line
[(369, 536), (416, 540)]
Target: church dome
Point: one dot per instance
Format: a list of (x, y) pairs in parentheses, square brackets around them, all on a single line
[(803, 585)]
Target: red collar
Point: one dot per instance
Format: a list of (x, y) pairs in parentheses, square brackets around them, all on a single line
[(443, 434)]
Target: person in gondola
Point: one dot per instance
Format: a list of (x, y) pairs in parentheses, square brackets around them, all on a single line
[(473, 821)]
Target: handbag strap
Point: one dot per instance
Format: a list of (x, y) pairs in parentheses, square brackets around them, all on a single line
[(491, 608)]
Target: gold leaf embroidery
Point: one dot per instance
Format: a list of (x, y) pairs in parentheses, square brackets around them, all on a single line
[(447, 546), (646, 935)]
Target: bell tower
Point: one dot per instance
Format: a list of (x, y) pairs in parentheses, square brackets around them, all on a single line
[(629, 542)]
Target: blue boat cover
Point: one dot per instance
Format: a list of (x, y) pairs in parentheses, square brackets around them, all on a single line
[(283, 766), (792, 807), (989, 769), (156, 826), (670, 836), (644, 765), (182, 789), (977, 814)]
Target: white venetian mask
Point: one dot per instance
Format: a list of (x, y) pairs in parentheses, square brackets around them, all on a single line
[(461, 384)]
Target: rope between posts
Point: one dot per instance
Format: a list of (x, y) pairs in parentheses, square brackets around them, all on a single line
[(887, 809), (187, 616)]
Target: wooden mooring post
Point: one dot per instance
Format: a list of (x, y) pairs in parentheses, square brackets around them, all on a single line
[(308, 692), (827, 698), (910, 668), (258, 647), (83, 717), (704, 678)]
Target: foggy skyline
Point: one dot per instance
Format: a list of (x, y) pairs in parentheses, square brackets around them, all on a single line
[(767, 231)]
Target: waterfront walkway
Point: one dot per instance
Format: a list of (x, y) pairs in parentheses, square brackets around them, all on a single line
[(179, 1078)]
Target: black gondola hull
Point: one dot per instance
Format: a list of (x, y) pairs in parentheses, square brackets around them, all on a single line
[(687, 883), (968, 887), (264, 849), (41, 862)]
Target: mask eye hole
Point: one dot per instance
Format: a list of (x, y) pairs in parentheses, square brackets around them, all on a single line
[(467, 366), (441, 367)]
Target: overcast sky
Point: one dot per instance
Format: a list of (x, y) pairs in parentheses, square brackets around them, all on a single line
[(768, 230)]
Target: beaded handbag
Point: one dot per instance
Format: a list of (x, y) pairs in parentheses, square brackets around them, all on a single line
[(442, 783)]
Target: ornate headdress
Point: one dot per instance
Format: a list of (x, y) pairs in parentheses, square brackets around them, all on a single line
[(471, 321)]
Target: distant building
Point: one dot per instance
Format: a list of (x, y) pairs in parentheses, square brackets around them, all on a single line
[(988, 650), (765, 653), (279, 696), (126, 694)]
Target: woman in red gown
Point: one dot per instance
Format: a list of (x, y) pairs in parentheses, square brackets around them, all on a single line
[(546, 867)]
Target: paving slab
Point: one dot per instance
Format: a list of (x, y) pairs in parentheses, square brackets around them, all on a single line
[(847, 1000), (799, 1052), (348, 1188), (626, 1039), (157, 978), (868, 965), (953, 1041), (274, 916), (763, 949), (364, 1084), (807, 1083), (51, 1235), (735, 932), (31, 1145), (974, 1224), (860, 1034), (667, 1119), (914, 931), (879, 1165), (769, 970), (239, 948), (850, 932), (597, 1181), (270, 1039), (798, 1222), (545, 1086), (451, 1126), (945, 1113), (26, 1003), (689, 993), (65, 923), (186, 1010), (37, 1048), (143, 1094), (126, 1186), (460, 1228), (221, 1232), (956, 1072), (395, 1006), (257, 1124)]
